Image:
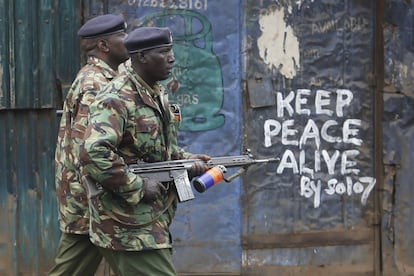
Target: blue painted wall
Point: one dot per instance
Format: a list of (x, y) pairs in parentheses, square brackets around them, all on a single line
[(398, 127)]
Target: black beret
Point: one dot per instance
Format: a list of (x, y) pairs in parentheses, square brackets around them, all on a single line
[(146, 38), (103, 25)]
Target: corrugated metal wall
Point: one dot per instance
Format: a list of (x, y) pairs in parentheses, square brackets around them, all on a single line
[(39, 52), (301, 80), (310, 101), (397, 204)]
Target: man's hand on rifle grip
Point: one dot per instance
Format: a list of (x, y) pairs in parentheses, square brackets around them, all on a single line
[(152, 190)]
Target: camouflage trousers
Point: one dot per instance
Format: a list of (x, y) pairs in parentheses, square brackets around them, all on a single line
[(76, 256), (156, 262)]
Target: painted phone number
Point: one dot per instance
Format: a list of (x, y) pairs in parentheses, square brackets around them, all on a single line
[(171, 4)]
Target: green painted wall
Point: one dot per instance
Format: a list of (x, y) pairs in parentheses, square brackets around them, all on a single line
[(39, 56)]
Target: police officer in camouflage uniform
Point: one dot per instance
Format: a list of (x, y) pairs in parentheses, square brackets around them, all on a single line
[(102, 38), (131, 121)]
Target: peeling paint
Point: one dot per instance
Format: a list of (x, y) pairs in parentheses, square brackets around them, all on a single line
[(300, 2), (278, 46)]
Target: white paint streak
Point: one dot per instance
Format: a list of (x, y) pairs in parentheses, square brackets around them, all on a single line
[(300, 2), (278, 46)]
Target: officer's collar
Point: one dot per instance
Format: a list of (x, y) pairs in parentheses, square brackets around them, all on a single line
[(154, 91)]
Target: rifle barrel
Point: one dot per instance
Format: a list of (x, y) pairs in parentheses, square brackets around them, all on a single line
[(227, 161)]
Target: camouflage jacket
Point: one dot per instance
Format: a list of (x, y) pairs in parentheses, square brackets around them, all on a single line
[(71, 197), (129, 122)]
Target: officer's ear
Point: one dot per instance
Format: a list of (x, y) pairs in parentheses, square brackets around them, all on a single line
[(142, 57), (102, 45)]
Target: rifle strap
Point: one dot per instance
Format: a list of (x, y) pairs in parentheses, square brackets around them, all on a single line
[(170, 200)]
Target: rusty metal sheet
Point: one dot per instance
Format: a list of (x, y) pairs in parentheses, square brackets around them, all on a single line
[(28, 41), (29, 231), (337, 270), (307, 239), (20, 29), (319, 54), (4, 55), (398, 128), (39, 51)]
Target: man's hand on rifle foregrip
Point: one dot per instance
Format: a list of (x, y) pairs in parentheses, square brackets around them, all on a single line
[(152, 190), (199, 167)]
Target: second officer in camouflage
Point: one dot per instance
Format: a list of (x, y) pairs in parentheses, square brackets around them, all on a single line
[(102, 39)]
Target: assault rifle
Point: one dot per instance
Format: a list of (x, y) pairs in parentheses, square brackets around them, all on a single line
[(177, 171)]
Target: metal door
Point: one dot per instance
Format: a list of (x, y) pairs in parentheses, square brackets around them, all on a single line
[(310, 100)]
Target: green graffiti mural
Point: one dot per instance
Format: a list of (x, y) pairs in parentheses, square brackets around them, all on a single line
[(196, 83)]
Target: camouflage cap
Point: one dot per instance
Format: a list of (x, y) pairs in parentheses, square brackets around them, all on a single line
[(103, 25), (146, 38)]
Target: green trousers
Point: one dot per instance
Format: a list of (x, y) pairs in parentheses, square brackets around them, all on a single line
[(76, 256), (140, 263)]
